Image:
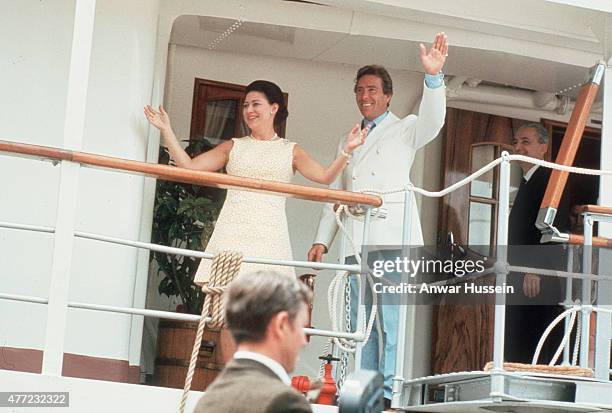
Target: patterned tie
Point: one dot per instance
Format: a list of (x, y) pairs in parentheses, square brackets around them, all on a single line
[(365, 123)]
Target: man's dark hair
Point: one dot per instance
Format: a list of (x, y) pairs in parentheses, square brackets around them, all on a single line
[(254, 298), (378, 71)]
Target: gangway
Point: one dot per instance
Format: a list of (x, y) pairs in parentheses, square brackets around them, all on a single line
[(533, 392)]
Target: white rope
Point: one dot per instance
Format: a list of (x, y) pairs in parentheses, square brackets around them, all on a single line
[(485, 169), (577, 344), (565, 342), (335, 290), (224, 267), (437, 194), (550, 327), (573, 310)]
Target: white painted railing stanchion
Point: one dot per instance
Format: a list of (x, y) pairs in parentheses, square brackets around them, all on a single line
[(497, 378)]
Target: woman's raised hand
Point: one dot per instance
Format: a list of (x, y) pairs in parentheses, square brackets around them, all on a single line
[(356, 137), (160, 119)]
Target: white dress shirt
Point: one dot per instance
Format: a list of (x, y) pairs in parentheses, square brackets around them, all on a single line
[(272, 364), (530, 172)]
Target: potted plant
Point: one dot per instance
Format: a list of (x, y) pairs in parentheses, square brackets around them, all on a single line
[(183, 216)]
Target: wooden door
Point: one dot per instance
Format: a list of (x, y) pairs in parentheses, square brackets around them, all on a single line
[(463, 334)]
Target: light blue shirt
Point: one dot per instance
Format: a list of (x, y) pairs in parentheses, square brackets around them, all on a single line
[(434, 81), (374, 122)]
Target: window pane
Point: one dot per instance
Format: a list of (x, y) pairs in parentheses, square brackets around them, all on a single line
[(220, 120), (479, 231), (483, 185)]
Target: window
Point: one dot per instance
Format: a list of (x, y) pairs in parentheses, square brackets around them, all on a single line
[(484, 196), (217, 112)]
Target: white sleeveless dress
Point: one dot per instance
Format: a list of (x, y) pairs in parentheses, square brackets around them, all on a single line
[(251, 222)]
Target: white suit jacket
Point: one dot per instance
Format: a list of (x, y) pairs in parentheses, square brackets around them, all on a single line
[(384, 163)]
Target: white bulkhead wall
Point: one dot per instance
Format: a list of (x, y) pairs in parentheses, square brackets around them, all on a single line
[(127, 50), (34, 100)]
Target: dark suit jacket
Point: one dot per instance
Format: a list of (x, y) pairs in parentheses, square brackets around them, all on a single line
[(247, 386), (524, 212), (524, 238), (526, 323)]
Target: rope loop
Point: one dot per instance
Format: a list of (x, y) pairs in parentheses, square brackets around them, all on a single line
[(225, 266)]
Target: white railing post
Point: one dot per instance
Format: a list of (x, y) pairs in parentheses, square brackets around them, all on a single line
[(74, 122), (604, 289), (499, 326)]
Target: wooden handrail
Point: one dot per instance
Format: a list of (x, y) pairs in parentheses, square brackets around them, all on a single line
[(595, 209), (212, 179), (597, 241), (571, 140)]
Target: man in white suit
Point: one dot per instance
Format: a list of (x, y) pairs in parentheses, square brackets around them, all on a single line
[(383, 163)]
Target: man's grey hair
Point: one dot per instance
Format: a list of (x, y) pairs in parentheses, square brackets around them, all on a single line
[(540, 130), (254, 298)]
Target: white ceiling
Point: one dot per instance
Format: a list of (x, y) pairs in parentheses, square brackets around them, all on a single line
[(357, 49)]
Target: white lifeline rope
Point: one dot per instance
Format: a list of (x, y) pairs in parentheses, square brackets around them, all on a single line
[(437, 194), (485, 169)]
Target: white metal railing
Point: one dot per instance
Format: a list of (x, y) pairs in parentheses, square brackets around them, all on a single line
[(55, 351), (497, 376)]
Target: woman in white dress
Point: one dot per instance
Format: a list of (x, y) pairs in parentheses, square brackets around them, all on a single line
[(251, 222)]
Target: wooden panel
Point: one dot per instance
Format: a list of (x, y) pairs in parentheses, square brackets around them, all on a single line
[(74, 365)]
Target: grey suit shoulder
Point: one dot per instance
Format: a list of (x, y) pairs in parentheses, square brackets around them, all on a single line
[(246, 386)]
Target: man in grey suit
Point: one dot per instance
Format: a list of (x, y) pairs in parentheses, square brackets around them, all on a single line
[(266, 314), (383, 163)]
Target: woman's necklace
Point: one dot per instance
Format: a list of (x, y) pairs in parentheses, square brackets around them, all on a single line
[(273, 138)]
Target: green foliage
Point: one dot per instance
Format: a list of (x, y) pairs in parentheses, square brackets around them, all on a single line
[(183, 217)]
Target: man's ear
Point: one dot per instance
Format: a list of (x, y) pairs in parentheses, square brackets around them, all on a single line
[(278, 324), (389, 96)]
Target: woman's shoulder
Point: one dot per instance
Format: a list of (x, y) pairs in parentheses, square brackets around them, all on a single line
[(288, 142)]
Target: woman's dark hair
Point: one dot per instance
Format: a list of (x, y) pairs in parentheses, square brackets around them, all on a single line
[(274, 95)]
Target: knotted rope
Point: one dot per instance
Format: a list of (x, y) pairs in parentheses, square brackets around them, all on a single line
[(225, 266)]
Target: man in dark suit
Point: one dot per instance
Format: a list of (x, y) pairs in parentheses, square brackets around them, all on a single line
[(533, 306), (266, 314)]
